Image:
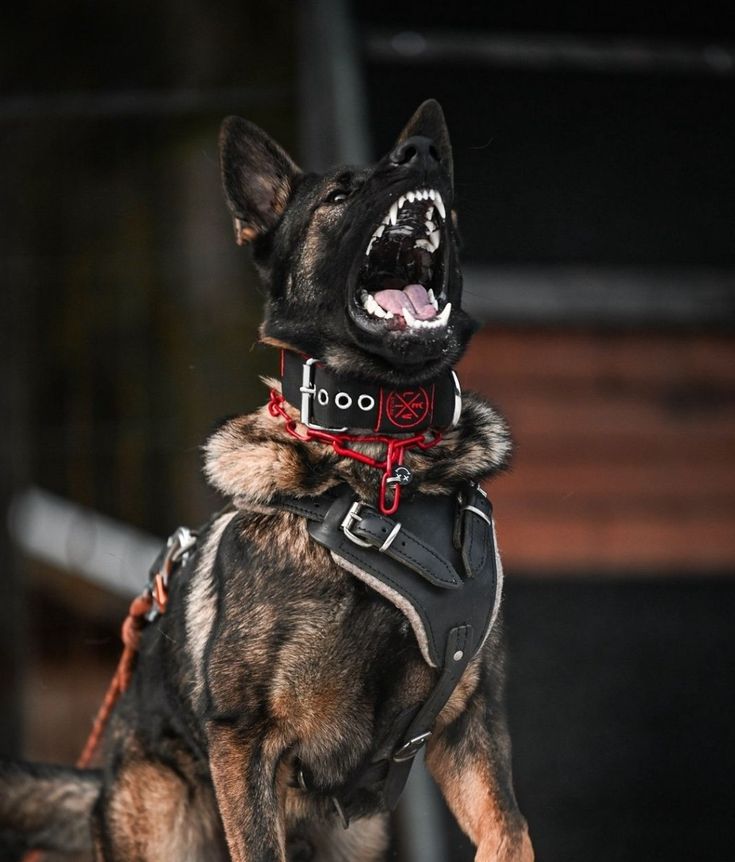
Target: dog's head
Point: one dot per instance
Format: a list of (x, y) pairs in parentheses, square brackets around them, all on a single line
[(360, 264)]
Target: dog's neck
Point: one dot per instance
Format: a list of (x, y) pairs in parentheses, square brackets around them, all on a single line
[(253, 458)]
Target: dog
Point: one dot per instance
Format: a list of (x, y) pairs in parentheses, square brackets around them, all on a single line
[(301, 661)]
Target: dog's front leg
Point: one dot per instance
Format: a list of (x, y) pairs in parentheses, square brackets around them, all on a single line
[(244, 773), (470, 760)]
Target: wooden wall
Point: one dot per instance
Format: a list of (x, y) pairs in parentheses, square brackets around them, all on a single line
[(625, 456)]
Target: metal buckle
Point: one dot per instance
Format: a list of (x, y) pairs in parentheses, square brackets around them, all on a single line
[(479, 513), (457, 401), (308, 391), (411, 748), (178, 545), (353, 514)]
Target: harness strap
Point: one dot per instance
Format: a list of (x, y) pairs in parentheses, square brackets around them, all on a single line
[(456, 659)]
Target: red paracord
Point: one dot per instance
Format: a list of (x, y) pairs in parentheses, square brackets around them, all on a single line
[(341, 443)]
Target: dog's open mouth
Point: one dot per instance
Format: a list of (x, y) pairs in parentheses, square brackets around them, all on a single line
[(401, 283)]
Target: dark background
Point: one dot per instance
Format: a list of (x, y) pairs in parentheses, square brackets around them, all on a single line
[(596, 200)]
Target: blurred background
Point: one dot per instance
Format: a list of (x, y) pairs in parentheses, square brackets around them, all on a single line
[(595, 170)]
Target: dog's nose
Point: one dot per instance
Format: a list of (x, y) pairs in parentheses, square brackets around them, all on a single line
[(416, 152)]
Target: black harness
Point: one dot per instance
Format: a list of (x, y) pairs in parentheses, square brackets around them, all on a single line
[(437, 562)]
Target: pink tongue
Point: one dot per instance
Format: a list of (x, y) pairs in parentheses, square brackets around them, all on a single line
[(413, 297)]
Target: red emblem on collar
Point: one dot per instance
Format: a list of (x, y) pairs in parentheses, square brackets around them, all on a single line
[(408, 408)]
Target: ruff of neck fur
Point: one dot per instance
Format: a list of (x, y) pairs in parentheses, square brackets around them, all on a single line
[(252, 458)]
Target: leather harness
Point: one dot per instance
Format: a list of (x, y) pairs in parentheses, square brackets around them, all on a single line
[(438, 565)]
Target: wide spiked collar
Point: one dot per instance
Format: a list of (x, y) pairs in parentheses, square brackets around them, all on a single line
[(344, 405)]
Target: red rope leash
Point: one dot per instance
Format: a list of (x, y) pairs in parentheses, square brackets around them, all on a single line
[(394, 454)]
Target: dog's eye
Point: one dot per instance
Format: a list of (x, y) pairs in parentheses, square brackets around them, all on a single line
[(337, 196)]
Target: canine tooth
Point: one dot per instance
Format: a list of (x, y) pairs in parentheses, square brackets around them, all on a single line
[(435, 237), (370, 245), (440, 205), (379, 231), (444, 316), (409, 318), (393, 214), (432, 298), (425, 244), (401, 201), (432, 194)]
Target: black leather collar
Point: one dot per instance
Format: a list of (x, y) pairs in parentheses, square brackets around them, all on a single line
[(339, 404)]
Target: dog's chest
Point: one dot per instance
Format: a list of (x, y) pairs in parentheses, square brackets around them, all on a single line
[(301, 642)]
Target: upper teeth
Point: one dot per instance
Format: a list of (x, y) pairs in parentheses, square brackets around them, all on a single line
[(432, 240)]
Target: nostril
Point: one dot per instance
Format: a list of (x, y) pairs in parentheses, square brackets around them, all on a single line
[(406, 155), (416, 151)]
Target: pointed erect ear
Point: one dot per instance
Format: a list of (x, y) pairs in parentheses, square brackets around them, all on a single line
[(257, 176), (429, 122)]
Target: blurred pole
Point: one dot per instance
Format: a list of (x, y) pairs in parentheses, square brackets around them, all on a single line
[(14, 430), (333, 110), (419, 816)]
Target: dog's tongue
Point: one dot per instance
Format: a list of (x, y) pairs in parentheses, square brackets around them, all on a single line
[(413, 297)]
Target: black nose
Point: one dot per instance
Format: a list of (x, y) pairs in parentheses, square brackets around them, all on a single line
[(417, 152)]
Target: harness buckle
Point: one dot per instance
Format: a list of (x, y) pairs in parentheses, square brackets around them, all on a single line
[(179, 543), (308, 391), (353, 515), (411, 748)]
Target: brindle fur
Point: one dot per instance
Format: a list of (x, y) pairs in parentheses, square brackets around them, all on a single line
[(269, 650)]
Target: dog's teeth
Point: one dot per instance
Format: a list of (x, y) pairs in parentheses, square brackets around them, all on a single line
[(429, 214), (430, 226), (411, 196), (401, 201), (432, 299), (440, 205), (435, 238), (425, 244), (371, 306), (393, 214), (409, 318), (379, 231), (444, 316), (432, 194), (370, 245)]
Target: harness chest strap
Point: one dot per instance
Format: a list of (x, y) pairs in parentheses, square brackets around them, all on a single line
[(416, 563)]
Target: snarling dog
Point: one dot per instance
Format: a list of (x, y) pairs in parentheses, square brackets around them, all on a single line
[(342, 611)]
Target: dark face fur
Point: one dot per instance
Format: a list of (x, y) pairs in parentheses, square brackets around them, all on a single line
[(360, 264)]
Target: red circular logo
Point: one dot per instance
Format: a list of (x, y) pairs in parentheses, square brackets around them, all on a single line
[(408, 408)]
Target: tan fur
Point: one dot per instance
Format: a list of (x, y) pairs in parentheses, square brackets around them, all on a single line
[(365, 841), (201, 608), (472, 797), (155, 814)]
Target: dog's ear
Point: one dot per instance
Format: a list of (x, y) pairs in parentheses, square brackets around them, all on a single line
[(428, 121), (257, 175)]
